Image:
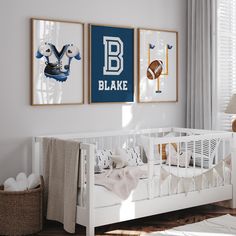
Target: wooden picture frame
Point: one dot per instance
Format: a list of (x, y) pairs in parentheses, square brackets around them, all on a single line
[(157, 65), (57, 62), (111, 77)]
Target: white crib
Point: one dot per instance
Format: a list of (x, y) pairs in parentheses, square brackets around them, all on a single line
[(213, 144)]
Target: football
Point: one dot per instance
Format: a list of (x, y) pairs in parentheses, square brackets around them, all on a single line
[(154, 69)]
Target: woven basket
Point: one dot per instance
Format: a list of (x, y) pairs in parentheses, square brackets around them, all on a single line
[(21, 212)]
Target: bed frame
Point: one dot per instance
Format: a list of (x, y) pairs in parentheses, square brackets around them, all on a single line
[(91, 217)]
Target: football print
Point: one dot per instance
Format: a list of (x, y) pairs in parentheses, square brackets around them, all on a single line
[(154, 69)]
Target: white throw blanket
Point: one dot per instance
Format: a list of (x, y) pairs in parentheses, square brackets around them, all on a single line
[(61, 162), (120, 181)]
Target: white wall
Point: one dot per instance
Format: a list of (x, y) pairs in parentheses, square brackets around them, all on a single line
[(19, 121)]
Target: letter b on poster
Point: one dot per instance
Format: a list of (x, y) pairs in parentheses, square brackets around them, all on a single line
[(113, 57)]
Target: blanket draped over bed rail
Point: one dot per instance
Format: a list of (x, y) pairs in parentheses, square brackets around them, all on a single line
[(61, 162)]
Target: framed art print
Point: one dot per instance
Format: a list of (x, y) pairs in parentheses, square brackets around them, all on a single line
[(111, 64), (157, 65), (57, 62)]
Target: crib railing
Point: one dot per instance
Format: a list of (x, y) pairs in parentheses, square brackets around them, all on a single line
[(214, 146), (207, 151)]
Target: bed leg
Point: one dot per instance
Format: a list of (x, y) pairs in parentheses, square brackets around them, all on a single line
[(233, 171), (90, 231)]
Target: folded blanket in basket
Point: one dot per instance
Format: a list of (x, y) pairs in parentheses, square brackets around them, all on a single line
[(120, 181), (22, 182)]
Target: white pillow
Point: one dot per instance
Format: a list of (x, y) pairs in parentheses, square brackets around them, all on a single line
[(103, 159), (173, 157), (131, 156), (145, 144), (119, 162), (157, 156)]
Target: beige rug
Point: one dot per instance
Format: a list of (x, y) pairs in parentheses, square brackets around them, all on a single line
[(219, 226)]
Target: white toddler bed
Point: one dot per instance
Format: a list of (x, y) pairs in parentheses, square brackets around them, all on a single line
[(168, 185)]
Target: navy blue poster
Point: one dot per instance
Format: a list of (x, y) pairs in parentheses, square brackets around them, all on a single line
[(111, 65)]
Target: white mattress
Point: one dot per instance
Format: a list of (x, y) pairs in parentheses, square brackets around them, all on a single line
[(105, 197)]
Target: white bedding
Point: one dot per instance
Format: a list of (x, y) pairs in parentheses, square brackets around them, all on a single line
[(105, 197)]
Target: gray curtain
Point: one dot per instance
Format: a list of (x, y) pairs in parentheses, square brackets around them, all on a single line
[(200, 64)]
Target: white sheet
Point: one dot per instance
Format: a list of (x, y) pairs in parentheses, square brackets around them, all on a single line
[(106, 198)]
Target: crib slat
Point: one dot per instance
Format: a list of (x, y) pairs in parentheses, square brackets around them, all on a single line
[(160, 187), (209, 154), (169, 154), (216, 162), (223, 156), (194, 162), (217, 153), (201, 156), (161, 157), (169, 183), (82, 177), (150, 170), (178, 149), (186, 159), (202, 160)]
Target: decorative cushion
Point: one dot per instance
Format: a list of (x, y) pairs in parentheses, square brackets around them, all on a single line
[(145, 144), (103, 159), (131, 156), (119, 162), (164, 155), (157, 157), (173, 158)]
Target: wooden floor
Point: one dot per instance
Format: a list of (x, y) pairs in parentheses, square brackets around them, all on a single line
[(147, 224)]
